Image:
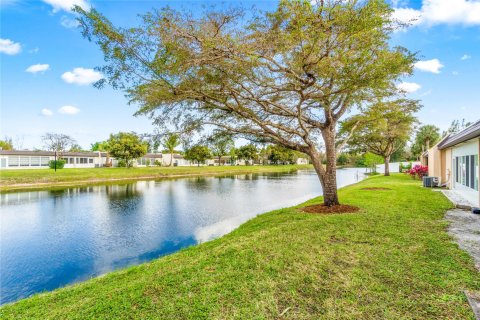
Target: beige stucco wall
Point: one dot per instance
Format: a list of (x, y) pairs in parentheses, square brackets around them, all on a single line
[(434, 162), (447, 167), (440, 164)]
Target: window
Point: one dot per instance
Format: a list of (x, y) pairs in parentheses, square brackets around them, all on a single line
[(13, 161), (466, 171), (90, 160), (35, 161), (24, 161), (45, 161)]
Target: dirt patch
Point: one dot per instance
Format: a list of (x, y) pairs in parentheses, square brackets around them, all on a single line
[(375, 188), (321, 209)]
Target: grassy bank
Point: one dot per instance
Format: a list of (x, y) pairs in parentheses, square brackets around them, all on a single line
[(15, 180), (391, 260)]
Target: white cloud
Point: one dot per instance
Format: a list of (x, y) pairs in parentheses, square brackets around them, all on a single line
[(432, 66), (408, 87), (34, 50), (68, 110), (465, 57), (46, 112), (38, 68), (409, 16), (67, 5), (7, 46), (433, 12), (82, 76), (68, 22)]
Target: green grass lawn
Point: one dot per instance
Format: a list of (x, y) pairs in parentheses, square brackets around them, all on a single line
[(391, 260), (40, 178)]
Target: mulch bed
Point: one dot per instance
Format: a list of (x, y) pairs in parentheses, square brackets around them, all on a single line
[(376, 189), (321, 209)]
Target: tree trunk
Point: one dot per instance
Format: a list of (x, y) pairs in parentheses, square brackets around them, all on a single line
[(327, 174), (387, 165), (171, 159)]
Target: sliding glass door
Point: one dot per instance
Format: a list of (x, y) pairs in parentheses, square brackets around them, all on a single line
[(466, 171)]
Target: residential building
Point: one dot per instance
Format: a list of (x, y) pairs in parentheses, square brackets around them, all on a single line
[(455, 161), (25, 159)]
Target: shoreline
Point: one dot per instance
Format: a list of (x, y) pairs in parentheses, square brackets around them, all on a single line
[(40, 186)]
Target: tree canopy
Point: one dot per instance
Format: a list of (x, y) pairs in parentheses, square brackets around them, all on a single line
[(283, 77), (99, 146), (384, 128), (57, 142), (6, 144), (248, 153), (198, 153), (126, 146)]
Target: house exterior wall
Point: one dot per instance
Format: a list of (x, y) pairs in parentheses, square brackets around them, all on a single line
[(464, 153), (434, 162)]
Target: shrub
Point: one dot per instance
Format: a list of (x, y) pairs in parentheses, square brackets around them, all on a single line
[(60, 163), (418, 171), (405, 167), (342, 159), (122, 163), (158, 163)]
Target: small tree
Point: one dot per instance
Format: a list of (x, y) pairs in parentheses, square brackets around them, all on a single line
[(384, 128), (127, 147), (280, 155), (233, 155), (170, 143), (102, 146), (57, 142), (248, 153), (198, 153), (220, 145)]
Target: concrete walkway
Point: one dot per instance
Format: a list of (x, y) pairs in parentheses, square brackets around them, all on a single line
[(458, 200), (465, 229)]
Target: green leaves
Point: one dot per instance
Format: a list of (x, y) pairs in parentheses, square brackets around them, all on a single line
[(126, 146)]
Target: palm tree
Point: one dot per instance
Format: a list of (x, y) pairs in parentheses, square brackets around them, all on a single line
[(427, 136), (170, 143)]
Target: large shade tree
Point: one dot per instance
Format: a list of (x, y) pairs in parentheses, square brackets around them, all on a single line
[(383, 128), (284, 77)]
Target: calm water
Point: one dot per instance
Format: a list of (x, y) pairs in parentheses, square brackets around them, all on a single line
[(49, 239)]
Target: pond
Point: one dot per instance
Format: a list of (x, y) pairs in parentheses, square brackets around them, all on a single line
[(49, 239)]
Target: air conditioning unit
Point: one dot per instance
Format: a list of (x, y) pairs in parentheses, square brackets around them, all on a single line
[(430, 182)]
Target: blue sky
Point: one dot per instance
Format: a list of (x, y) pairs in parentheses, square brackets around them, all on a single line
[(55, 94)]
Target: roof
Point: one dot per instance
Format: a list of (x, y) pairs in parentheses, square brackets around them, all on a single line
[(153, 155), (50, 153), (469, 133)]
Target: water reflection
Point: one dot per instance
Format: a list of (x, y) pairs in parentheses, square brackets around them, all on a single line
[(53, 238)]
